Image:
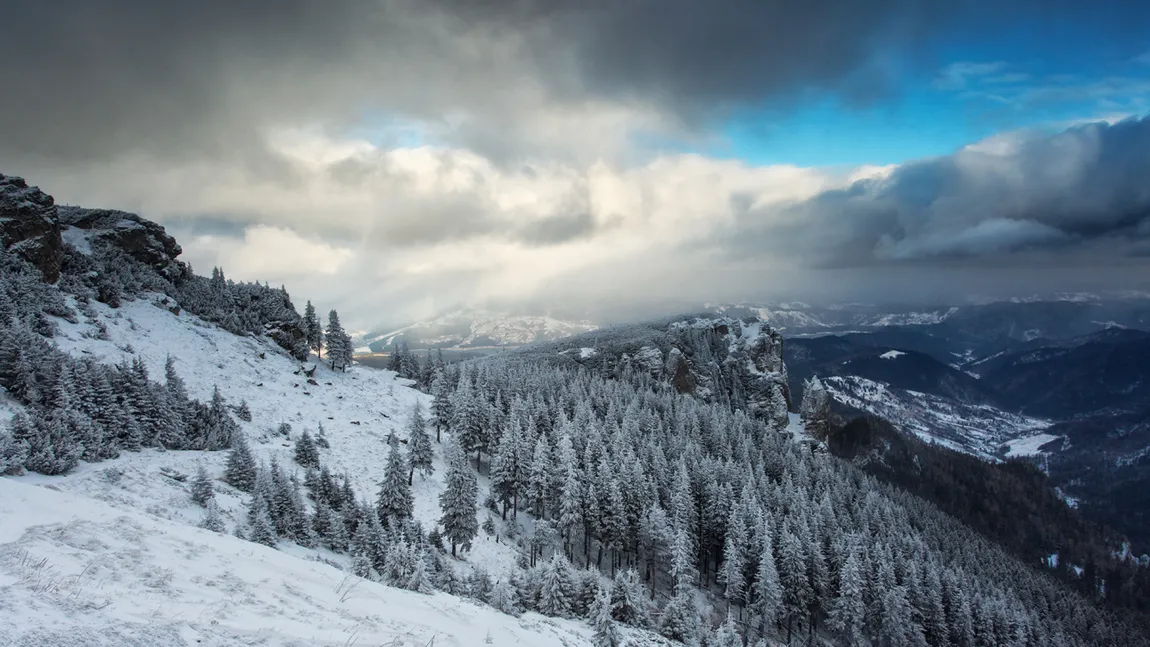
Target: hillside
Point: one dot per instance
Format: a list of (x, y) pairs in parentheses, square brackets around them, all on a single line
[(645, 479), (77, 570)]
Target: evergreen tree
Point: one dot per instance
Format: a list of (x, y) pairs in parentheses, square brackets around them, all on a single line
[(457, 501), (441, 413), (768, 595), (679, 620), (240, 471), (394, 503), (312, 329), (260, 527), (556, 588), (505, 597), (306, 453), (848, 612), (338, 343), (606, 634), (419, 451), (202, 491), (213, 519), (728, 634)]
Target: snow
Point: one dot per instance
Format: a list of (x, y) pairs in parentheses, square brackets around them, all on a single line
[(110, 552), (1028, 445), (71, 566), (979, 430), (587, 353), (892, 354), (358, 409), (81, 239)]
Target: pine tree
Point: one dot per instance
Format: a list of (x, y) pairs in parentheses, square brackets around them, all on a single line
[(556, 588), (202, 491), (240, 471), (679, 620), (419, 451), (768, 595), (441, 413), (213, 520), (505, 597), (306, 453), (260, 527), (394, 502), (606, 634), (338, 343), (13, 452), (457, 501), (728, 634), (628, 603), (848, 612), (734, 558), (312, 329)]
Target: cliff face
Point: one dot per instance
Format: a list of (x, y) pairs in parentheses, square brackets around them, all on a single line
[(30, 225), (143, 240)]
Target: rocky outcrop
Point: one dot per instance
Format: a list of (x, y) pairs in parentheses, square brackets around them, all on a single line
[(30, 225), (143, 240)]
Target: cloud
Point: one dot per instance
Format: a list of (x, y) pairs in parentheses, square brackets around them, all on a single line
[(956, 76), (1079, 194)]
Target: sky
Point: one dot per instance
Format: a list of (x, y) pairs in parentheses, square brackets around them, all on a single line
[(398, 158)]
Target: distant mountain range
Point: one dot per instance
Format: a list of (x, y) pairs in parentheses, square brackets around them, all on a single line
[(475, 329)]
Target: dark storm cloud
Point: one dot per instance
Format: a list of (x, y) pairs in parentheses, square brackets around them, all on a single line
[(189, 79), (1081, 194)]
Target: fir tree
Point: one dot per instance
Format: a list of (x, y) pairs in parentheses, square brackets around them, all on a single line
[(457, 501), (338, 342), (260, 528), (202, 491), (605, 632), (768, 595), (213, 520), (394, 502), (312, 329), (306, 453), (505, 597), (679, 620), (556, 588), (441, 413), (240, 471), (848, 612), (419, 451)]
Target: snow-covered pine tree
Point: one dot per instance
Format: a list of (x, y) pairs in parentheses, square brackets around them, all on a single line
[(458, 500), (312, 329), (605, 632), (848, 611), (306, 453), (680, 620), (240, 471), (505, 597), (441, 412), (202, 491), (337, 343), (394, 502), (213, 519), (629, 605), (419, 451), (767, 602), (556, 588)]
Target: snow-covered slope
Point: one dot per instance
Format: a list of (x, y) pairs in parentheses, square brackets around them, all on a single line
[(478, 328), (77, 571), (123, 529), (978, 429)]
